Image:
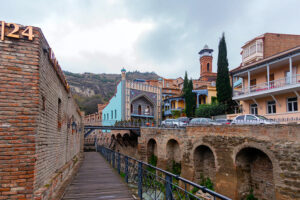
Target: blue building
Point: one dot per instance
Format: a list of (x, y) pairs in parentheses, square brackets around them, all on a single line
[(133, 101)]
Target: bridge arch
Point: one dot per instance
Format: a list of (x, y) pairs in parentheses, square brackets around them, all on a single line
[(151, 149), (255, 171), (173, 155), (205, 163)]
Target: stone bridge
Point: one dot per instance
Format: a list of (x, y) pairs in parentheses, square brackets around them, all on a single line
[(237, 159)]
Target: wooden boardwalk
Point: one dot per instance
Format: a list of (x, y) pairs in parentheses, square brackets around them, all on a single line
[(97, 180)]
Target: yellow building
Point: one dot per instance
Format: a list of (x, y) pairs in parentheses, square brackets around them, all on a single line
[(270, 84)]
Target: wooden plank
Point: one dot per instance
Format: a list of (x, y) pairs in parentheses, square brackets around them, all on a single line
[(97, 180)]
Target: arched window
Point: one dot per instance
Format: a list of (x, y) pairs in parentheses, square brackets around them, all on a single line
[(147, 110), (131, 108), (208, 67), (140, 110)]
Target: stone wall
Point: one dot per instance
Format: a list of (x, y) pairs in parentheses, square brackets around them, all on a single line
[(236, 158), (38, 150)]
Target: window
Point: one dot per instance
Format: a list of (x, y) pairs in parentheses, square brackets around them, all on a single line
[(115, 114), (250, 118), (292, 104), (241, 117), (112, 114), (131, 108), (252, 82), (147, 111), (107, 118), (59, 115), (253, 109), (140, 110), (271, 77), (271, 107), (104, 117), (43, 103), (208, 67)]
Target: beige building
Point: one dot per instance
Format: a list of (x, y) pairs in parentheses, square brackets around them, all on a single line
[(270, 74)]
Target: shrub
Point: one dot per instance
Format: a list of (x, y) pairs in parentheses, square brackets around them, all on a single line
[(250, 196), (209, 110), (205, 181), (176, 113)]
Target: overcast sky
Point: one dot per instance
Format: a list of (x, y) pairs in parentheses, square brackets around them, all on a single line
[(164, 36)]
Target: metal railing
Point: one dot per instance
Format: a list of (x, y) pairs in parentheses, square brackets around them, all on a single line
[(154, 183), (295, 79)]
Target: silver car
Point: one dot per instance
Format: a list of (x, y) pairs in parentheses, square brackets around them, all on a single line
[(171, 123), (252, 119), (203, 121)]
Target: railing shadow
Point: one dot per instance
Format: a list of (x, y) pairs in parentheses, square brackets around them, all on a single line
[(154, 183)]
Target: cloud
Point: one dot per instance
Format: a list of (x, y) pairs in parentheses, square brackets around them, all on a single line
[(149, 35)]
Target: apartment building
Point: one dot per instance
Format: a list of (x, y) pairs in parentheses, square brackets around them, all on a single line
[(269, 77)]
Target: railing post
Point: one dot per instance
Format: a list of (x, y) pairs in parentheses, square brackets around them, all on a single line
[(140, 180), (168, 186), (118, 163), (109, 157), (113, 159), (126, 169)]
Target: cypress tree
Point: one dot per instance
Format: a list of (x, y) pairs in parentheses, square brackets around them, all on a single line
[(224, 91), (192, 99), (185, 83)]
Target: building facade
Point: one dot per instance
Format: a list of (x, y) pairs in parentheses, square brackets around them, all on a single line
[(41, 130), (133, 101), (270, 77)]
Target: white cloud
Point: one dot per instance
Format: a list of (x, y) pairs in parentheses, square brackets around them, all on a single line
[(149, 35)]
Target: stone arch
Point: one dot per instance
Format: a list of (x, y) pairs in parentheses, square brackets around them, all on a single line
[(204, 164), (254, 169), (173, 153), (151, 148), (140, 103)]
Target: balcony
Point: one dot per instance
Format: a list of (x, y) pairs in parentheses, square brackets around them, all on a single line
[(169, 112), (282, 85)]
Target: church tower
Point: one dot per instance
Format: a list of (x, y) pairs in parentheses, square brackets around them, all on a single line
[(205, 62)]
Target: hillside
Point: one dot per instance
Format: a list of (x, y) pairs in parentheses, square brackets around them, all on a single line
[(91, 89)]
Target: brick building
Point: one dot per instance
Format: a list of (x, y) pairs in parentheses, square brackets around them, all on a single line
[(40, 124)]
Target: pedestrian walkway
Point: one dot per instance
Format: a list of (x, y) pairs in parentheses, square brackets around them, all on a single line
[(97, 180)]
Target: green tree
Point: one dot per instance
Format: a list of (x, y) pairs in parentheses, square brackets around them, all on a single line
[(224, 91), (189, 96), (185, 83)]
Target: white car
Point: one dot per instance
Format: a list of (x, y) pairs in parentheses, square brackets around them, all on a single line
[(252, 119), (203, 121), (173, 123)]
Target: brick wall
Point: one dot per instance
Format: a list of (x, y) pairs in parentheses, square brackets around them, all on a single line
[(276, 43), (235, 158), (19, 107), (37, 149), (57, 143)]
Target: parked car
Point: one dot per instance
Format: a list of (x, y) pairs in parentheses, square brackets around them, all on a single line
[(173, 123), (224, 121), (252, 119), (203, 121), (183, 121)]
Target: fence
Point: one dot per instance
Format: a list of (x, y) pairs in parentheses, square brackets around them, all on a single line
[(154, 183)]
